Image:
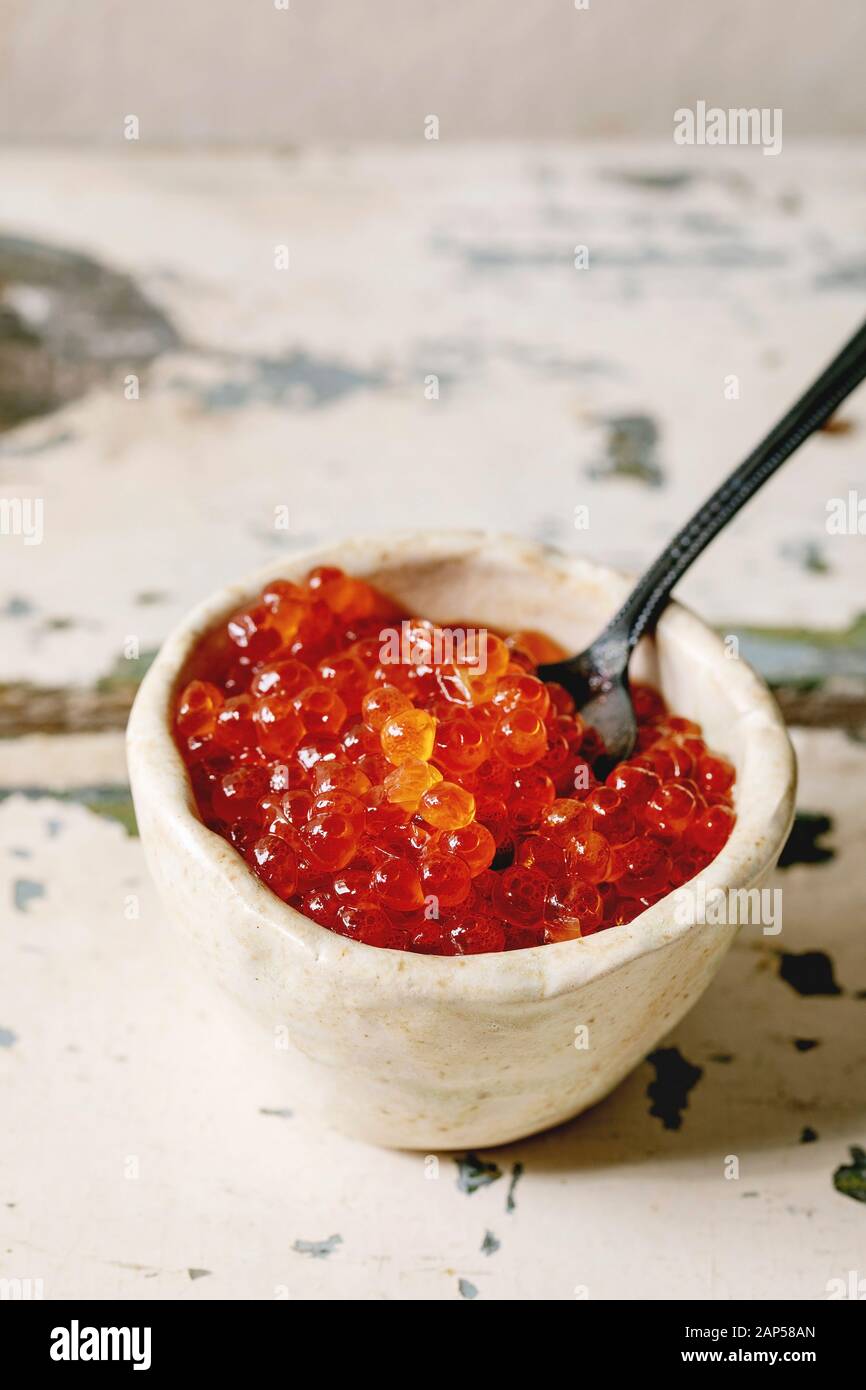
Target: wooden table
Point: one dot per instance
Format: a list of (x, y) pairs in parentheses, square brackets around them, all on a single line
[(431, 355)]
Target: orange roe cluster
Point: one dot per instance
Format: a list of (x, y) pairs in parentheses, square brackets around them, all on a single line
[(415, 794)]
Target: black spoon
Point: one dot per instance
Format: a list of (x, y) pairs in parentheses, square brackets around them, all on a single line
[(597, 678)]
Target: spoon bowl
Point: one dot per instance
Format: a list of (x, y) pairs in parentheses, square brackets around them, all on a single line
[(597, 681)]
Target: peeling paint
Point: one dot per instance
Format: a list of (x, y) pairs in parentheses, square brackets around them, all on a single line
[(808, 972), (630, 451), (801, 846), (807, 555), (850, 1178), (296, 380), (26, 891), (67, 323), (318, 1249), (516, 1175), (675, 1078), (473, 1173), (109, 801)]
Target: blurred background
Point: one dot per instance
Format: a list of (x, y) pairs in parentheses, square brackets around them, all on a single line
[(225, 72), (384, 267)]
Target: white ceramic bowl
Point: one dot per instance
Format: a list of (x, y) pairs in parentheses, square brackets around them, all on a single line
[(435, 1052)]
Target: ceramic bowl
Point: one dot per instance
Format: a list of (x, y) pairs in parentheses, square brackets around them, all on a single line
[(435, 1052)]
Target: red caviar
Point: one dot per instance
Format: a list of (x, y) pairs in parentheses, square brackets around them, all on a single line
[(406, 798)]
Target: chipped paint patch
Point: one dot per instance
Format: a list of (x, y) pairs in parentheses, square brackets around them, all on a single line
[(801, 846), (845, 276), (17, 607), (669, 1093), (805, 1044), (198, 1273), (67, 323), (7, 1037), (473, 1173), (126, 672), (516, 1174), (490, 1244), (808, 1135), (296, 380), (318, 1249), (654, 180), (850, 1178), (807, 555), (39, 446), (630, 451), (278, 1114), (467, 1288), (808, 972), (803, 657), (111, 802), (26, 891)]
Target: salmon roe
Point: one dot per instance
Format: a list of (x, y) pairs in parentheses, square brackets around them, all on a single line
[(408, 797)]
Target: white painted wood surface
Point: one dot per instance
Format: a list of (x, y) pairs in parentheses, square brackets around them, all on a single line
[(306, 388)]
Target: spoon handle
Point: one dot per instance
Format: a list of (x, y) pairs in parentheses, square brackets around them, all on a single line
[(815, 406)]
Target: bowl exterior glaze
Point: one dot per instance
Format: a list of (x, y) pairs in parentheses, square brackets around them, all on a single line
[(428, 1052)]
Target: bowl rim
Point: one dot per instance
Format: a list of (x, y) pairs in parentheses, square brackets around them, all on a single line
[(160, 784)]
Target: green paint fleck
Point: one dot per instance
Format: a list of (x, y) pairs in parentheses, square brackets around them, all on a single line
[(803, 658), (109, 801), (467, 1289), (850, 1178), (125, 673), (112, 803)]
